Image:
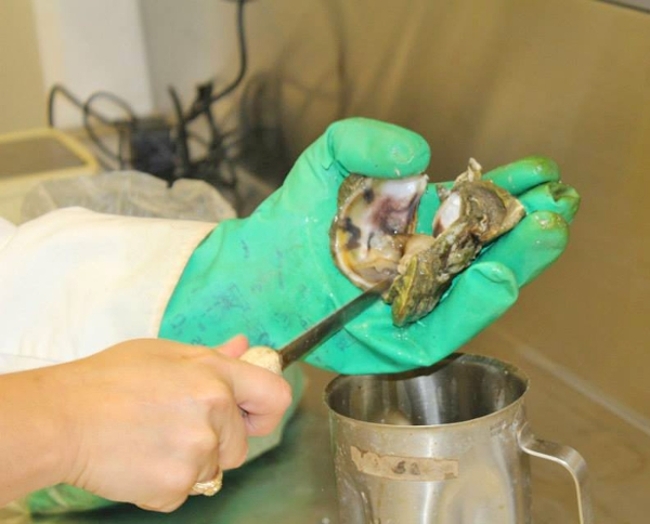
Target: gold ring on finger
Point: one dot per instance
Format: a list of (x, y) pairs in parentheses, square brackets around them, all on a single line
[(209, 487)]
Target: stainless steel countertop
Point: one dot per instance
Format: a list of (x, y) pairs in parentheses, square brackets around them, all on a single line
[(294, 483), (291, 484)]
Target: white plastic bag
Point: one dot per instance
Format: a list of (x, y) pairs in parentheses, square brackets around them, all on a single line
[(129, 193)]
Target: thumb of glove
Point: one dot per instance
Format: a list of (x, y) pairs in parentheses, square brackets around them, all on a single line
[(479, 296)]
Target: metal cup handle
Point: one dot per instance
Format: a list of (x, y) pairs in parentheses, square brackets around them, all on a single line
[(568, 458)]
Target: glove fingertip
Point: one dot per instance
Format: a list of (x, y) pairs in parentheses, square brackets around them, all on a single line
[(557, 197), (552, 223), (521, 175), (375, 148)]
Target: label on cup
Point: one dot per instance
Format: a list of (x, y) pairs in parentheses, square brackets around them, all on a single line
[(404, 468)]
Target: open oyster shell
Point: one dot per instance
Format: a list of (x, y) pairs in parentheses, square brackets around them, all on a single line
[(375, 218), (373, 235)]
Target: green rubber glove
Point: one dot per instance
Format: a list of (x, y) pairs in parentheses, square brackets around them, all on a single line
[(271, 276)]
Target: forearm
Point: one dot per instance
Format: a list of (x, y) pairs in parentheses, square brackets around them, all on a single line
[(32, 431)]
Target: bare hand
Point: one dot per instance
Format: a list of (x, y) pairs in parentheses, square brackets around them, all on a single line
[(146, 419)]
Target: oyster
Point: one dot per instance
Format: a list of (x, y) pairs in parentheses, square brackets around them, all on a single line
[(375, 218), (373, 235)]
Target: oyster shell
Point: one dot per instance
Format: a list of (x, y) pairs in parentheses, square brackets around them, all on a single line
[(373, 235), (375, 218)]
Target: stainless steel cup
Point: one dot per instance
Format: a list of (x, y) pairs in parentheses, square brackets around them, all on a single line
[(448, 444)]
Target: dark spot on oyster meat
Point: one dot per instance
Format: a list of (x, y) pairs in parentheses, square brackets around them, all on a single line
[(381, 213), (354, 232), (390, 218)]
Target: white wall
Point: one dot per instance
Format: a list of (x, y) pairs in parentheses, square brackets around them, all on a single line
[(138, 48), (497, 80), (293, 52), (90, 46), (22, 105), (503, 79)]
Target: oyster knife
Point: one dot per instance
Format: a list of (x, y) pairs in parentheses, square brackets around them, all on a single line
[(319, 333), (276, 361)]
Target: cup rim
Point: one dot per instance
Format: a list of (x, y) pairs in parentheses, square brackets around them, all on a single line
[(505, 365)]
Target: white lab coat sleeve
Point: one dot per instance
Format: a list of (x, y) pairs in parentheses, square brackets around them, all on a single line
[(74, 282)]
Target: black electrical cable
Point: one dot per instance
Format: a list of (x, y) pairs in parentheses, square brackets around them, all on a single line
[(60, 89), (243, 54), (120, 126), (88, 111), (185, 167), (205, 92), (217, 161), (198, 138), (200, 104), (55, 90)]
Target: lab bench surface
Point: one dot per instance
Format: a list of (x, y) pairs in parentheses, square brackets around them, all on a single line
[(294, 483)]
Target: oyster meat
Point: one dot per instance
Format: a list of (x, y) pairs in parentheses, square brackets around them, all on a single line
[(373, 235), (375, 218)]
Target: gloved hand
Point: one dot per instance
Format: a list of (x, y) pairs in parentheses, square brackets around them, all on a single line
[(271, 276)]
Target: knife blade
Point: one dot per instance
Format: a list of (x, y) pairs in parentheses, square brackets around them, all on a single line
[(323, 330), (276, 361)]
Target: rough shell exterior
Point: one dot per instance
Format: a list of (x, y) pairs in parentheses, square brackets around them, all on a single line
[(373, 235)]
